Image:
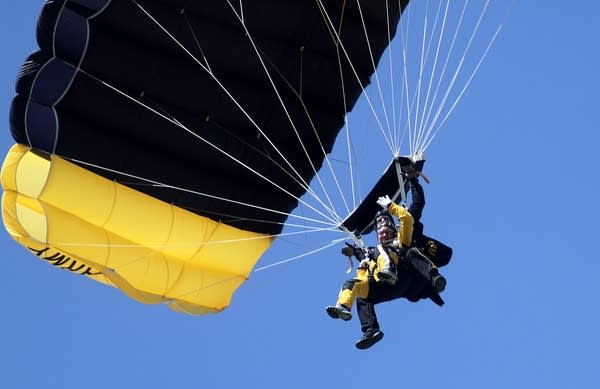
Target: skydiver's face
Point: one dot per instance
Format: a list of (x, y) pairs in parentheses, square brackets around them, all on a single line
[(385, 235)]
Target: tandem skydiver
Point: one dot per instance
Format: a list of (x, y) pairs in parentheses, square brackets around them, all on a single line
[(403, 264)]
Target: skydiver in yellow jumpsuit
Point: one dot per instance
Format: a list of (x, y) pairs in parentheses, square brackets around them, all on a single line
[(377, 274), (382, 267), (422, 281)]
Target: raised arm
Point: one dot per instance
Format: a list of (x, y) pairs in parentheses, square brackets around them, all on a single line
[(418, 199), (405, 223)]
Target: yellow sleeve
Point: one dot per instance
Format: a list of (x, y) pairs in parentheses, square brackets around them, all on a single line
[(405, 223)]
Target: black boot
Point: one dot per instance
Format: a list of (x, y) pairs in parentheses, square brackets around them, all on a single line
[(369, 338), (339, 312), (388, 276), (438, 282)]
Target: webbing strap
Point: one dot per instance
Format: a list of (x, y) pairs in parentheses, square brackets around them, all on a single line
[(400, 192)]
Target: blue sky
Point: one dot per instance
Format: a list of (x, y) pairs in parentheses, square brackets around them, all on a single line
[(513, 192)]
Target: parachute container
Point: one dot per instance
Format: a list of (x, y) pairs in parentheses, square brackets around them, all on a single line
[(391, 183)]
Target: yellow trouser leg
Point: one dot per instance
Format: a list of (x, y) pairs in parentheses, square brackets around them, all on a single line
[(352, 290)]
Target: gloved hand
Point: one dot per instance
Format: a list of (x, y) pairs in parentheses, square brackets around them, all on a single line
[(360, 254), (348, 250), (384, 201), (410, 172)]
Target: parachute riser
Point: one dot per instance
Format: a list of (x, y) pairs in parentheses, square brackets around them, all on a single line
[(401, 189)]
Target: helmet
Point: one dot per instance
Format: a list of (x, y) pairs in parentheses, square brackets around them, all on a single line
[(383, 218)]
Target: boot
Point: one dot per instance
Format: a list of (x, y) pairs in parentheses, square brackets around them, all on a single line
[(388, 275), (438, 282), (370, 337), (339, 312)]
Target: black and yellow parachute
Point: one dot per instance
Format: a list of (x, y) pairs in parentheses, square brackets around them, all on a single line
[(151, 146)]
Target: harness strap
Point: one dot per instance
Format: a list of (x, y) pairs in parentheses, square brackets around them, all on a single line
[(400, 192)]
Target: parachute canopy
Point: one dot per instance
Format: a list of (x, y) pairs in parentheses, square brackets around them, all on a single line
[(162, 144), (153, 251)]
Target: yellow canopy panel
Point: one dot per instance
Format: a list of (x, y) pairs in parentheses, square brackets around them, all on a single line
[(153, 251)]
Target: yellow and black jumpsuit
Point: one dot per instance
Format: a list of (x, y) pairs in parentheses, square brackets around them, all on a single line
[(366, 283), (411, 285)]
